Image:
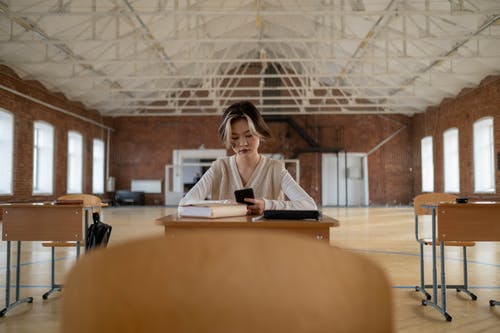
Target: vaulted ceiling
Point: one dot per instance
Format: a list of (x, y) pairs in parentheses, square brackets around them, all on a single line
[(184, 57)]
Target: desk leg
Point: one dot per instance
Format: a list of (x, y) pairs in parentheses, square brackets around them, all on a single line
[(53, 286), (8, 306), (86, 230), (443, 283), (18, 269), (435, 287), (434, 258), (7, 282)]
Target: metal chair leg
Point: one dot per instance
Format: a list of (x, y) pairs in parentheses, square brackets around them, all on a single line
[(53, 286), (422, 286), (9, 306), (465, 287)]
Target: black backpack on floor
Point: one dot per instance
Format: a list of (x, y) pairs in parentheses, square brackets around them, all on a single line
[(98, 233)]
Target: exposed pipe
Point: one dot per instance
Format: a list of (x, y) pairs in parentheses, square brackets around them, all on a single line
[(108, 146), (55, 108), (383, 142)]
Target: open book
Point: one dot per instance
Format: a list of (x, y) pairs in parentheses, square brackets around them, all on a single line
[(213, 209)]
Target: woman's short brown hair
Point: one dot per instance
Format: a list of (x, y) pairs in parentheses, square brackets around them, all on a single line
[(243, 110)]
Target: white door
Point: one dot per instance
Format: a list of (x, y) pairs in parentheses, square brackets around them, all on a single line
[(344, 179)]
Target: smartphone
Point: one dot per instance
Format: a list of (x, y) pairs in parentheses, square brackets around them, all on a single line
[(242, 194)]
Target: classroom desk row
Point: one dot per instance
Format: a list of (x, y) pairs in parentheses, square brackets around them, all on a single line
[(41, 222), (69, 222)]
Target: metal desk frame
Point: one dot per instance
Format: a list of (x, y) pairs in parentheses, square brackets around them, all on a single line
[(448, 230), (9, 306)]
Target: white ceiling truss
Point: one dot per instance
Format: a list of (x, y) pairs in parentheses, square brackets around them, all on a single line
[(188, 57)]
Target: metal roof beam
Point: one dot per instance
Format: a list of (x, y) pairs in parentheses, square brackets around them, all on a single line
[(228, 11)]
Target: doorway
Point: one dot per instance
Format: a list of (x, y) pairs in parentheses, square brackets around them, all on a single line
[(188, 165), (344, 179)]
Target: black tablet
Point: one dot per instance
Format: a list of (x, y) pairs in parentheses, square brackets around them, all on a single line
[(292, 215)]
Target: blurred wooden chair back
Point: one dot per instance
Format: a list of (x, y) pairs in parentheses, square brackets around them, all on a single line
[(89, 200), (430, 199), (434, 199), (226, 281)]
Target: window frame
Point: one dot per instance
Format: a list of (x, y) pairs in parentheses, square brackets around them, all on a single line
[(95, 159), (43, 125), (480, 169), (70, 166), (427, 175), (7, 147), (451, 157)]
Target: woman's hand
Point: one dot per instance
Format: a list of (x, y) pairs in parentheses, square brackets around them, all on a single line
[(256, 207)]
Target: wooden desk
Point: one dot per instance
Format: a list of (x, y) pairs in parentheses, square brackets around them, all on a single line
[(475, 221), (175, 225), (38, 222)]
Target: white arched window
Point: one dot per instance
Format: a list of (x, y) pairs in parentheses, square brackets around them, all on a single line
[(427, 164), (484, 164), (6, 151), (75, 162), (43, 158), (451, 161), (98, 166)]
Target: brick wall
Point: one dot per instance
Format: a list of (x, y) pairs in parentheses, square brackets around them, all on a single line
[(25, 113), (141, 147), (460, 112)]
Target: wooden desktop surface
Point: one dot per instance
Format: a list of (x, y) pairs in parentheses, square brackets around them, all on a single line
[(319, 229)]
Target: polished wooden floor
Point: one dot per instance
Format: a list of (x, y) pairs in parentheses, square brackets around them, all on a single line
[(384, 234)]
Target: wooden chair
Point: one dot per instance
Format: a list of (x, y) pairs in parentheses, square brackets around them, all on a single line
[(226, 280), (434, 199), (88, 201)]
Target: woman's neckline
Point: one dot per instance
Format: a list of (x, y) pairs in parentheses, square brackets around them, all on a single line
[(253, 172)]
